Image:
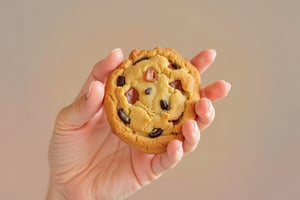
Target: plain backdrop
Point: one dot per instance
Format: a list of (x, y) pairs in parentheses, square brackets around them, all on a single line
[(251, 151)]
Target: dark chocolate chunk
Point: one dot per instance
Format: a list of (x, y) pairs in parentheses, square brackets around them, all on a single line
[(123, 116), (164, 105), (148, 91), (176, 120), (132, 95), (139, 60), (173, 65), (155, 132), (150, 75), (177, 85), (121, 81)]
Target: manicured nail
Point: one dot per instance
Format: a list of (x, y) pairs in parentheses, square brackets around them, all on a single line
[(228, 86), (210, 108), (179, 145), (89, 90), (213, 53), (116, 49), (195, 128)]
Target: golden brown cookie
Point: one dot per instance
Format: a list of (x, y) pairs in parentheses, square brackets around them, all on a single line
[(149, 96)]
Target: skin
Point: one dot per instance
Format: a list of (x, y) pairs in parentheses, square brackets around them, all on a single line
[(87, 161)]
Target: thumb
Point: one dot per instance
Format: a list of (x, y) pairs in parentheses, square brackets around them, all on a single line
[(77, 114)]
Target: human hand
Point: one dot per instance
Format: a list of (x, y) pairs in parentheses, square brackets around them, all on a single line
[(87, 161)]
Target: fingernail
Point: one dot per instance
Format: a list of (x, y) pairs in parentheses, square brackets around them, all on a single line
[(213, 53), (115, 52), (116, 49), (179, 145), (89, 90), (195, 128), (228, 86), (210, 108)]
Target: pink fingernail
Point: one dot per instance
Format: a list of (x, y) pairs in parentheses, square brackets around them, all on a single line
[(179, 145), (195, 128), (228, 86), (116, 49), (89, 90), (210, 108), (214, 53)]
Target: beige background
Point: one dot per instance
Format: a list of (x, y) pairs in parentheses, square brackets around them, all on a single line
[(252, 149)]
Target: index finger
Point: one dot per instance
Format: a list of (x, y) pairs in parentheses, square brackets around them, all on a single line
[(101, 69)]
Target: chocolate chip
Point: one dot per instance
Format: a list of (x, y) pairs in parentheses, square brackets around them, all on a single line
[(148, 91), (132, 95), (177, 85), (164, 105), (123, 116), (150, 75), (121, 81), (155, 132), (176, 120), (173, 65), (139, 60)]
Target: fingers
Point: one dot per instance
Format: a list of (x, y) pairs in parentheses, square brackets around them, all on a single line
[(204, 59), (102, 69), (205, 113), (82, 109), (176, 148), (166, 161), (216, 90), (191, 135), (204, 108)]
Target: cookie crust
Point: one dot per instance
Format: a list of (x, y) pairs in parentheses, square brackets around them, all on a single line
[(149, 96)]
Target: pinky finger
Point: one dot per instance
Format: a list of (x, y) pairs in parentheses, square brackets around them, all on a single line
[(191, 135), (166, 161)]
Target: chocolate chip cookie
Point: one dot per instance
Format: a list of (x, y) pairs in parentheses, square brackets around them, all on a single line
[(149, 96)]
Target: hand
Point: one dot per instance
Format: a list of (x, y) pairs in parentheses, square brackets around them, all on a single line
[(87, 161)]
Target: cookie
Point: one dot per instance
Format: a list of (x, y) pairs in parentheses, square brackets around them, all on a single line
[(149, 96)]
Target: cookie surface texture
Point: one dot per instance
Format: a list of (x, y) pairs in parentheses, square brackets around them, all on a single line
[(149, 96)]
